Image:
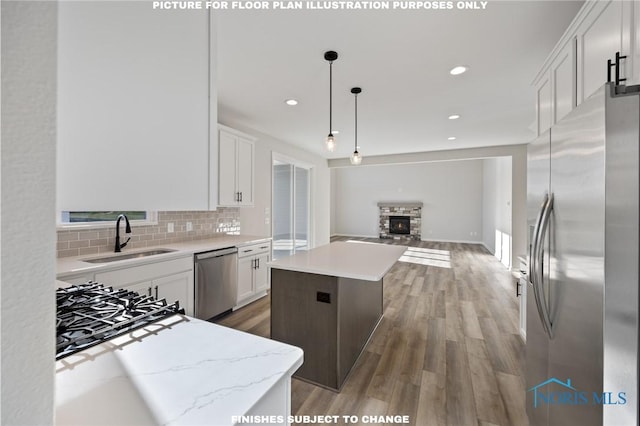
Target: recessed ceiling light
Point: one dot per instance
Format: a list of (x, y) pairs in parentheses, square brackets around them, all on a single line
[(451, 138), (291, 102), (458, 70), (454, 117)]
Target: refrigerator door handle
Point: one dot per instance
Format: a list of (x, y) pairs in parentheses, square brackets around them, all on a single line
[(541, 302), (534, 243)]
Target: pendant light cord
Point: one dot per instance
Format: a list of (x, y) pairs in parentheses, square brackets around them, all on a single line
[(330, 97), (356, 140)]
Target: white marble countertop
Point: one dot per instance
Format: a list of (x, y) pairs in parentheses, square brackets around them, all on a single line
[(178, 371), (358, 260), (69, 266)]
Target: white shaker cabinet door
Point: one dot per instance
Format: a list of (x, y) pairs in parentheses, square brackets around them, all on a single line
[(599, 38), (245, 171), (245, 278), (543, 101), (563, 73), (261, 273), (227, 192), (177, 287)]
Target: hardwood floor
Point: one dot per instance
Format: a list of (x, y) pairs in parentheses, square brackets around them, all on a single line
[(447, 351)]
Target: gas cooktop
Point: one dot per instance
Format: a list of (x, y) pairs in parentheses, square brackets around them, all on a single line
[(89, 314)]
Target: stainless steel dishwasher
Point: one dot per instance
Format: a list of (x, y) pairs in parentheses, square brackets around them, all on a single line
[(216, 282)]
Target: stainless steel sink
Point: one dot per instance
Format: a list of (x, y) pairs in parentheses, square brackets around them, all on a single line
[(118, 257)]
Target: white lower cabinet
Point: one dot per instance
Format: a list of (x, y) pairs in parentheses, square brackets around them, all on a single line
[(172, 288), (171, 280), (253, 273)]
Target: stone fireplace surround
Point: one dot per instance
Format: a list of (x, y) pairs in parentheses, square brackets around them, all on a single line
[(395, 208)]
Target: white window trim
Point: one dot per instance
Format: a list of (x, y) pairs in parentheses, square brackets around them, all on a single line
[(152, 219)]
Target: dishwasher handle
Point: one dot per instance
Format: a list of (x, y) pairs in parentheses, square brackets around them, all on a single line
[(216, 253)]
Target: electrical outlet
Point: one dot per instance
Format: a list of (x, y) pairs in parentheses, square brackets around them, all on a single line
[(189, 226), (170, 227)]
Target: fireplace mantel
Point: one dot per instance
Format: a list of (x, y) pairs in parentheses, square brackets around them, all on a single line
[(400, 204)]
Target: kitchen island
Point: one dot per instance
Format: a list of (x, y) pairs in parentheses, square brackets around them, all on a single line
[(180, 371), (328, 301)]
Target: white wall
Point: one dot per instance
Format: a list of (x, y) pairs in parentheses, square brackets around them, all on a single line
[(28, 233), (252, 219), (496, 207), (451, 192)]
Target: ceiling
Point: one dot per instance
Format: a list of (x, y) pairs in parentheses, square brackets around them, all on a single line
[(401, 59)]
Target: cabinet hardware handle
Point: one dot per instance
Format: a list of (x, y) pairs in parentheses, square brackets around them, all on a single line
[(518, 294), (264, 247), (618, 79), (156, 292), (616, 66), (258, 262), (247, 251), (240, 196), (149, 290)]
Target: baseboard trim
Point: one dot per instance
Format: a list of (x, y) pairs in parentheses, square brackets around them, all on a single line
[(355, 236), (426, 240), (433, 240), (488, 249)]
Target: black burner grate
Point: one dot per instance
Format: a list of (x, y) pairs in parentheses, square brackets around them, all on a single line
[(88, 314)]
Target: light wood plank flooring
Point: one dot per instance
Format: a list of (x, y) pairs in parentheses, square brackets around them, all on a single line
[(447, 351)]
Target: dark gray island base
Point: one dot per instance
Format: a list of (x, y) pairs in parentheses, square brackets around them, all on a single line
[(328, 301), (330, 318)]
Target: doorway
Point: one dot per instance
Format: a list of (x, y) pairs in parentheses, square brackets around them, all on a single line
[(291, 201)]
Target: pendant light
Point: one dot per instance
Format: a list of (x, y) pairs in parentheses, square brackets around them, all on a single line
[(356, 158), (330, 141)]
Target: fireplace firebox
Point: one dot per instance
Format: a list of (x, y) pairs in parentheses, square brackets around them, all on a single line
[(399, 225)]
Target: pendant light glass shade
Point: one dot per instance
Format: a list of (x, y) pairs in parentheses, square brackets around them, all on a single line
[(330, 142), (356, 158)]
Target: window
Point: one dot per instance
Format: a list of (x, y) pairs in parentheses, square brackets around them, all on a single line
[(100, 219)]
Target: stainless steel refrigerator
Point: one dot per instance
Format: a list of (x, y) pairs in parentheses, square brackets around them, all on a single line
[(582, 296)]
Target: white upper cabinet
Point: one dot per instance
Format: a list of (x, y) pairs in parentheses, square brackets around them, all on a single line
[(563, 78), (577, 66), (544, 104), (135, 101), (236, 168)]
